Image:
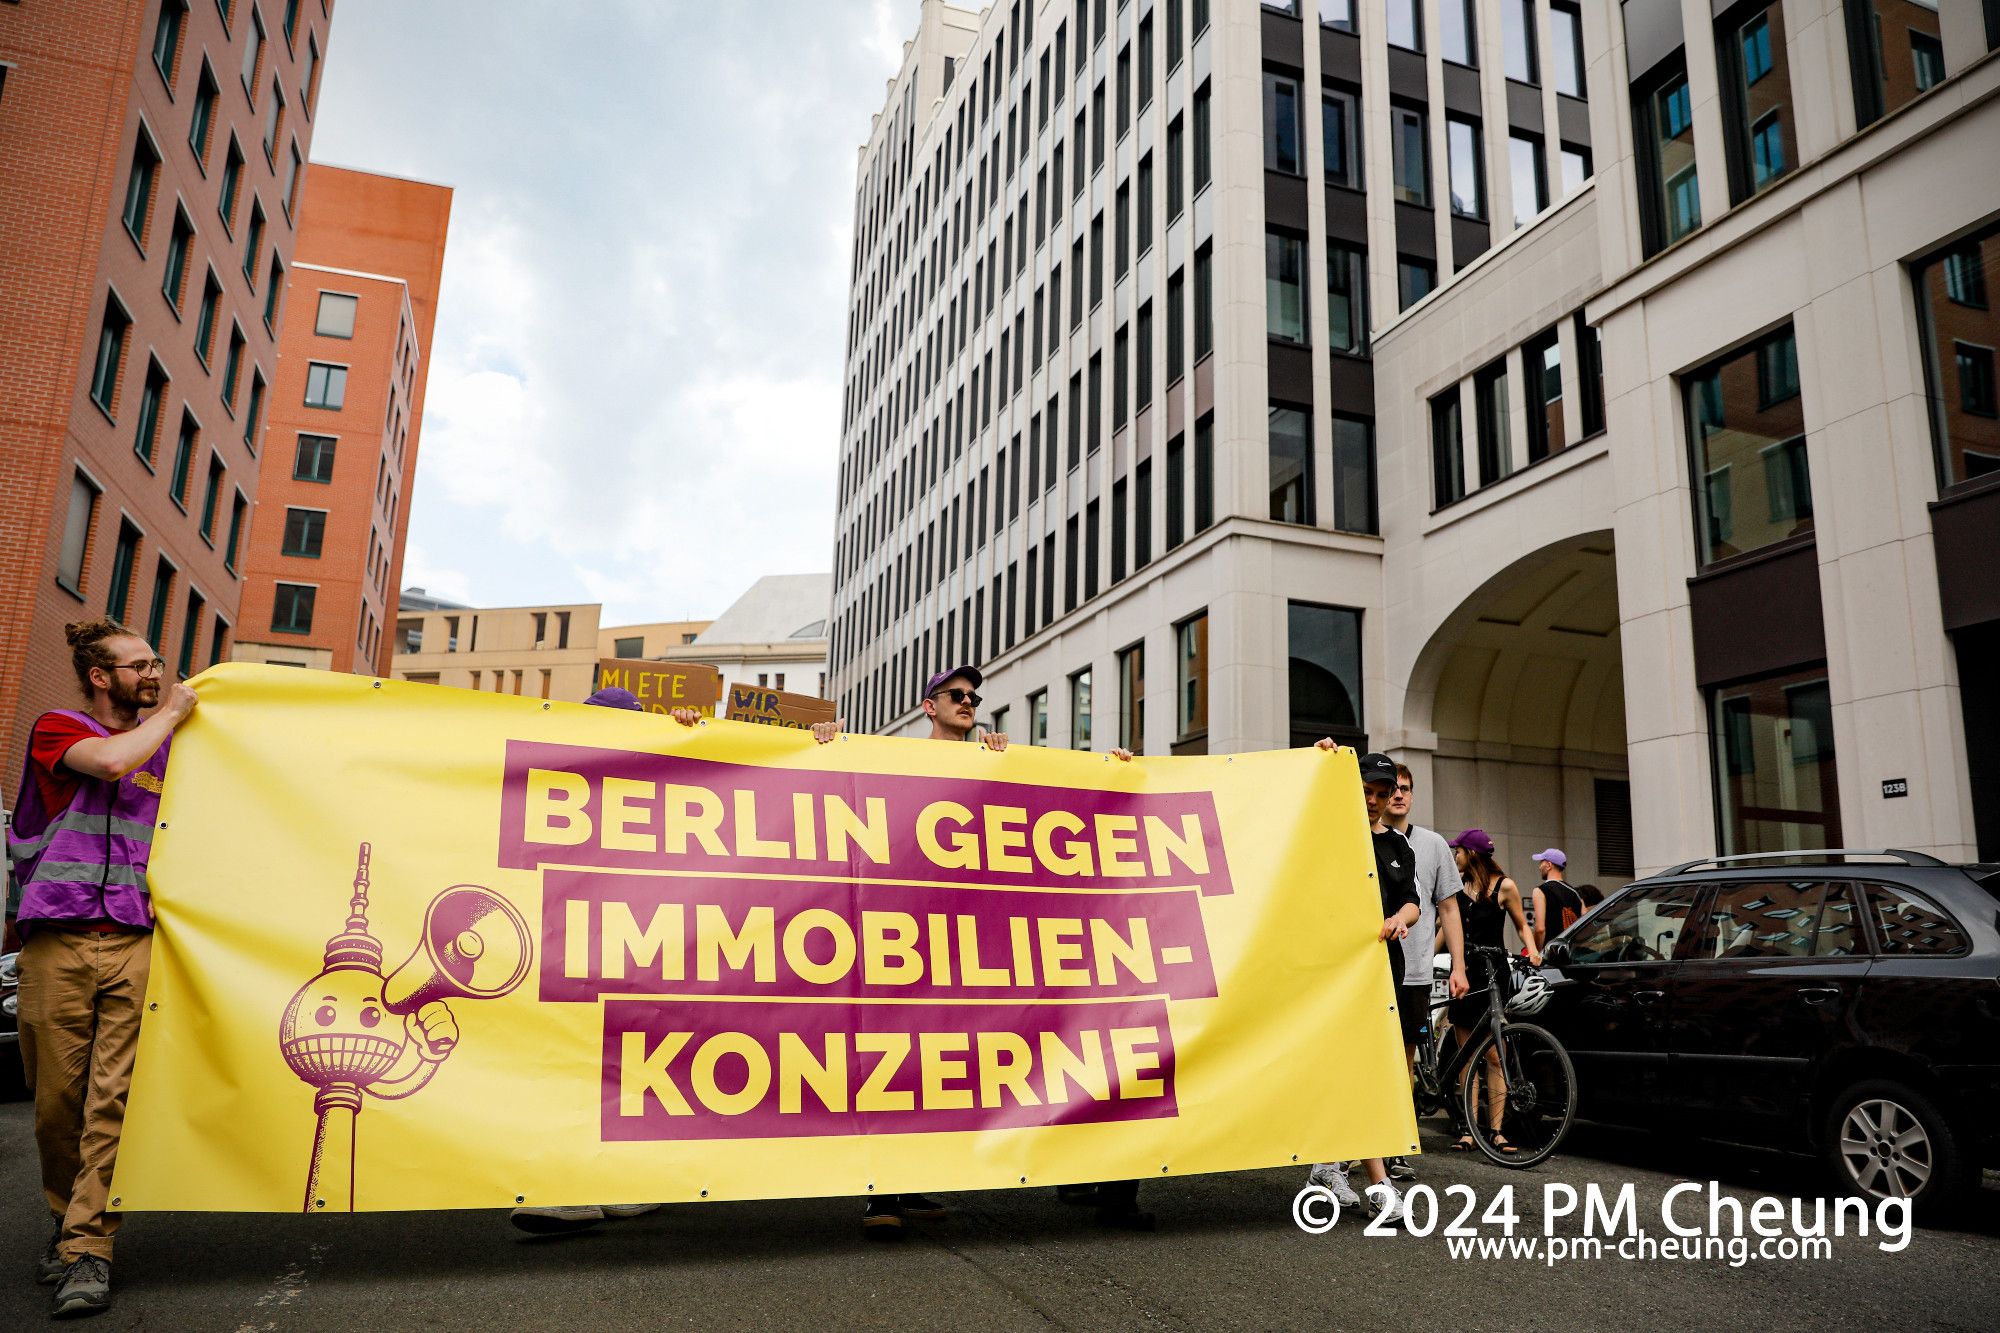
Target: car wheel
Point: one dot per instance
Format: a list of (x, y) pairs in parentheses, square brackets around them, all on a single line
[(1886, 1140)]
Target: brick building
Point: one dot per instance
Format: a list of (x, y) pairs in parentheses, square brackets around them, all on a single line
[(325, 546), (154, 156)]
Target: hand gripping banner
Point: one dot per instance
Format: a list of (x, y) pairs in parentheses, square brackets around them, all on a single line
[(429, 948)]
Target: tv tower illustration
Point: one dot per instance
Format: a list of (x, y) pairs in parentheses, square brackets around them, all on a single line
[(341, 1033)]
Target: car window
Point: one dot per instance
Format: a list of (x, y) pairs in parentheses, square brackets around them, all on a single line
[(1795, 919), (1908, 925), (1639, 927)]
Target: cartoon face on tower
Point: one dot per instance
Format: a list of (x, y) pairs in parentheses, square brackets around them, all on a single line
[(337, 1030)]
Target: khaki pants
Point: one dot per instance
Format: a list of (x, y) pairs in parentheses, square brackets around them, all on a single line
[(81, 997)]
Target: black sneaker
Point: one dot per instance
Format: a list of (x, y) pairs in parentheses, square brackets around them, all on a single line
[(49, 1269), (85, 1289), (920, 1206), (880, 1220), (1400, 1169)]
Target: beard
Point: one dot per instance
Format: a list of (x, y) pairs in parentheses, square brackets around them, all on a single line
[(138, 697)]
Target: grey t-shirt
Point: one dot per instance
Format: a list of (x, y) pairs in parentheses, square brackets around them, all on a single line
[(1437, 880)]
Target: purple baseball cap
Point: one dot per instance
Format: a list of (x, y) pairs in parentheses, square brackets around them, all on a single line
[(1474, 840), (1554, 856), (613, 697), (937, 681)]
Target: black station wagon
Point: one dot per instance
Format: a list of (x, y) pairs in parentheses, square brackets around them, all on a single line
[(1843, 1003)]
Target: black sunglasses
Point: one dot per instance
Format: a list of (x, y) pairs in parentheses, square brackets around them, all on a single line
[(959, 696)]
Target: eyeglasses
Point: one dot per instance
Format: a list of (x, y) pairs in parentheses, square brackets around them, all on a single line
[(1404, 786), (959, 696), (155, 667)]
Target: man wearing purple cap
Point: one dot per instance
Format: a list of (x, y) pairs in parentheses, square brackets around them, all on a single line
[(564, 1219), (1557, 906)]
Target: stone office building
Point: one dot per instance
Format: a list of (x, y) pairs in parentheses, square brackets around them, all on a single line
[(1590, 403)]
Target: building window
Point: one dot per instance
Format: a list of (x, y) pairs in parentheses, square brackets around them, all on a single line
[(1176, 326), (1176, 156), (1960, 330), (305, 533), (1347, 298), (1457, 32), (1670, 193), (1895, 54), (1282, 149), (1447, 448), (1590, 374), (1038, 718), (110, 356), (1531, 179), (1336, 14), (1748, 433), (185, 444), (326, 386), (1410, 141), (292, 608), (1415, 279), (150, 401), (1176, 491), (1191, 682), (1324, 651), (164, 575), (253, 410), (253, 53), (1285, 286), (1079, 710), (201, 123), (124, 557), (211, 497), (239, 509), (1517, 40), (274, 121), (274, 291), (254, 244), (336, 315), (1202, 154), (232, 368), (1204, 302), (1575, 168), (232, 180), (1204, 473), (167, 39), (204, 324), (1775, 778), (1406, 24), (1132, 699), (314, 459), (1757, 100), (139, 188), (1354, 475), (1541, 365), (1291, 460), (1338, 124), (1566, 48), (1466, 169), (83, 493), (1496, 440)]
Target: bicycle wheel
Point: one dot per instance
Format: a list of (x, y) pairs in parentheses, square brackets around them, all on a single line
[(1540, 1094)]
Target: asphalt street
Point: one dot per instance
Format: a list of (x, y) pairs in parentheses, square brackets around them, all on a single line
[(1226, 1255)]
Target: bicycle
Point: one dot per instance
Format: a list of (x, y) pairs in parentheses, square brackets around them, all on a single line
[(1540, 1083)]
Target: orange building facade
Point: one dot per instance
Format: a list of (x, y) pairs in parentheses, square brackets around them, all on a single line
[(155, 152), (325, 551)]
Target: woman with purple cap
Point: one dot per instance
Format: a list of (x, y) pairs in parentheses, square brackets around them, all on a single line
[(1491, 900)]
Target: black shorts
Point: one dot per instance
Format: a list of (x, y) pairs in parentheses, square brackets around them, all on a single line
[(1413, 1006)]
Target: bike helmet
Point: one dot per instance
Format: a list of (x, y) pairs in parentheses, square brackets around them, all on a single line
[(1531, 994)]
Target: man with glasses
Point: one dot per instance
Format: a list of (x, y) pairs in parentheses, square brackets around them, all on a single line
[(1437, 917), (81, 838)]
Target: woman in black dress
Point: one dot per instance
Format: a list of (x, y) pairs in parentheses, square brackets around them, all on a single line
[(1491, 899)]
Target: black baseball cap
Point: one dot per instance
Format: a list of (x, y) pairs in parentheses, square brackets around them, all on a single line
[(1377, 767), (937, 681)]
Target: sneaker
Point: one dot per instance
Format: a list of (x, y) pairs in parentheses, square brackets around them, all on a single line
[(880, 1220), (561, 1221), (1400, 1169), (920, 1206), (85, 1289), (1386, 1203), (49, 1269), (629, 1209), (1332, 1177)]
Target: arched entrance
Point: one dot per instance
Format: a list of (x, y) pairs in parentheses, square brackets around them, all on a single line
[(1523, 688)]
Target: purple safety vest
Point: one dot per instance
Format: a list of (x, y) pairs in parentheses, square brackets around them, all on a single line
[(88, 863)]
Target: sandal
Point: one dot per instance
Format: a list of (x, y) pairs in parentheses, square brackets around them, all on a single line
[(1500, 1142), (1464, 1144)]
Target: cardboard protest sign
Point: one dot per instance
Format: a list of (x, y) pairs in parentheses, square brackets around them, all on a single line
[(664, 686), (777, 708)]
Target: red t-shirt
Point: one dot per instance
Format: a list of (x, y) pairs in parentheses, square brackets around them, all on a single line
[(53, 735)]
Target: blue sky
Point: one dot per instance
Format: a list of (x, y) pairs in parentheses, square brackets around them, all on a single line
[(635, 390)]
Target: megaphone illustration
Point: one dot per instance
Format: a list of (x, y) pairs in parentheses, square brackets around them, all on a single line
[(475, 946)]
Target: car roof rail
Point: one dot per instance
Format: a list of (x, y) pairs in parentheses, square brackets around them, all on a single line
[(1808, 856)]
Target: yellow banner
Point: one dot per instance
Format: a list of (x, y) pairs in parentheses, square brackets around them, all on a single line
[(423, 947)]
